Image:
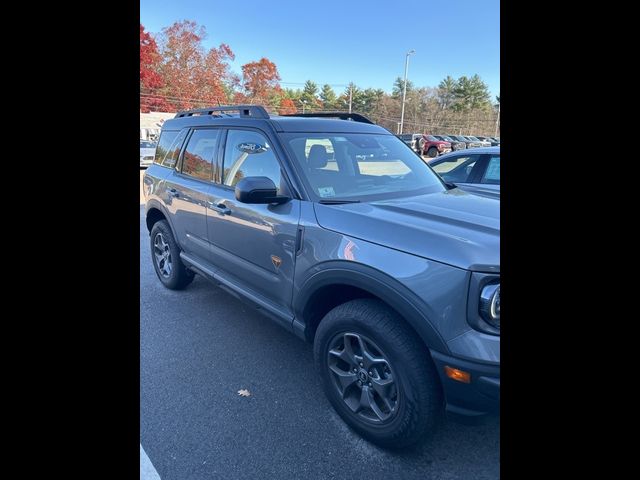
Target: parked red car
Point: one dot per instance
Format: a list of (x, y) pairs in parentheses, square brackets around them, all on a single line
[(432, 147)]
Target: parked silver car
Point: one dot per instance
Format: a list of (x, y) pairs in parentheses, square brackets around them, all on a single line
[(476, 170), (147, 153)]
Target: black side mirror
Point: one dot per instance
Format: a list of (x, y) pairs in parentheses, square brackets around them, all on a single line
[(258, 190)]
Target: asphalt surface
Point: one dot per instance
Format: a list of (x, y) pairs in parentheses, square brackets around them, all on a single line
[(198, 347)]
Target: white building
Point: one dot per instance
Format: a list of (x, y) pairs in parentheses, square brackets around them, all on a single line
[(151, 123)]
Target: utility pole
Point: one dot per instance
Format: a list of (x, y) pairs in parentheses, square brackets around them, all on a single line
[(350, 95), (497, 120), (404, 87)]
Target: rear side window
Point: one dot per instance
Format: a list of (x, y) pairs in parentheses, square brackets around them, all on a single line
[(492, 173), (197, 160), (168, 147)]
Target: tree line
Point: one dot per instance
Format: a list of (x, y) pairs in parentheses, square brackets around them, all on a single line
[(177, 72)]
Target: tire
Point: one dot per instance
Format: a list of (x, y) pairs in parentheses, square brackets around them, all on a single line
[(432, 152), (414, 401), (165, 255)]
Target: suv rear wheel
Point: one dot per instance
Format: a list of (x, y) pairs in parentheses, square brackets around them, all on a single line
[(166, 258), (376, 374)]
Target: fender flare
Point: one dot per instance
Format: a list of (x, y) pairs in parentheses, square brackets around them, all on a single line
[(393, 293), (153, 203)]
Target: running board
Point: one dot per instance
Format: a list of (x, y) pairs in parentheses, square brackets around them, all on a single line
[(214, 276)]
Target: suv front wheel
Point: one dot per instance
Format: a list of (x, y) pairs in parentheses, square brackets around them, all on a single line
[(376, 374), (166, 258)]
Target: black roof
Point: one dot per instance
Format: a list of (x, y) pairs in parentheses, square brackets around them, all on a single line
[(255, 115)]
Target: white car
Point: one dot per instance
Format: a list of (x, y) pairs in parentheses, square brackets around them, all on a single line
[(147, 153)]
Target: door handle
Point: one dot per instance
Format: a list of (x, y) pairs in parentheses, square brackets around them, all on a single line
[(221, 208), (173, 192)]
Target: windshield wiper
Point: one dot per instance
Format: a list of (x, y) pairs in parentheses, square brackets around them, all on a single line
[(327, 201)]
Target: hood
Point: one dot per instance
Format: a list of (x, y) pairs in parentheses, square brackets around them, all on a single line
[(452, 227)]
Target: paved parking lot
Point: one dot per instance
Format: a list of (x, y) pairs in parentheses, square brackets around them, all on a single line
[(200, 346)]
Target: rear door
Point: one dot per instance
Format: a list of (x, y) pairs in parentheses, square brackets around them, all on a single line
[(254, 245), (187, 190)]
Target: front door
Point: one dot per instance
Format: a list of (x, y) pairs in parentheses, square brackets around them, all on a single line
[(254, 245), (188, 188)]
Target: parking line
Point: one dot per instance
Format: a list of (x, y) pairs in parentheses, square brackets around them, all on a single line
[(147, 470)]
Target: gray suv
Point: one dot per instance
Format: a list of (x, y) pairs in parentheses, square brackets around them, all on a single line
[(333, 228)]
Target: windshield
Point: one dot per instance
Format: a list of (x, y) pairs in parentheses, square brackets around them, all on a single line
[(431, 138), (445, 138), (360, 166)]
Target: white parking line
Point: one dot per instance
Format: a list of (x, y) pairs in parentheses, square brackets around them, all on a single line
[(147, 470)]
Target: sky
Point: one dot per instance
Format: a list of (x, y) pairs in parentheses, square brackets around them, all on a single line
[(339, 41)]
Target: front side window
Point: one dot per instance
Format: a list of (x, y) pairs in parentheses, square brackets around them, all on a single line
[(197, 160), (492, 173), (456, 169), (360, 166), (249, 154)]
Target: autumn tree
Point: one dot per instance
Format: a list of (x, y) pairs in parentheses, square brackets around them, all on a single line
[(260, 77), (149, 61), (193, 75), (150, 79), (287, 106)]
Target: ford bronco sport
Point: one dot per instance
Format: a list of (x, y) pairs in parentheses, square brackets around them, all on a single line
[(333, 228)]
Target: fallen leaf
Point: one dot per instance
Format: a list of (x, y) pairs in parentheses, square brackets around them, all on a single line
[(244, 392)]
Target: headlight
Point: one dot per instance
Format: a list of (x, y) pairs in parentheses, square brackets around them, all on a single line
[(490, 304)]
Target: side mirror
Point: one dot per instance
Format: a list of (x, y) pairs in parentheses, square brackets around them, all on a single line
[(258, 190)]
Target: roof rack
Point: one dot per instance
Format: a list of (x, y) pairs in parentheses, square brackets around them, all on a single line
[(356, 117), (252, 111)]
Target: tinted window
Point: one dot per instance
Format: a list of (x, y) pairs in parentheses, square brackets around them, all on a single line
[(166, 139), (174, 150), (360, 166), (456, 169), (197, 160), (249, 154), (492, 173), (169, 147)]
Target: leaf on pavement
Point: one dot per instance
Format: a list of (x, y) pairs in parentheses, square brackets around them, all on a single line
[(244, 392)]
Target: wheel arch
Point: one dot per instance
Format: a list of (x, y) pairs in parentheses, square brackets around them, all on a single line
[(155, 212), (336, 282)]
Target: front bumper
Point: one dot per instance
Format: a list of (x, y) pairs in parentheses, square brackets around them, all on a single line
[(477, 398)]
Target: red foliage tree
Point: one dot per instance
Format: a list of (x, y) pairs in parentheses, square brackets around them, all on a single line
[(260, 78), (149, 60), (193, 76), (150, 79), (287, 106)]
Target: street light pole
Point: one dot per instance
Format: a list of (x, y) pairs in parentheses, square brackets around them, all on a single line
[(404, 87), (350, 95), (497, 120)]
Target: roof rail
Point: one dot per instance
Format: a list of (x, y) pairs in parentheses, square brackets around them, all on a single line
[(356, 117), (253, 111)]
